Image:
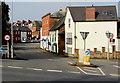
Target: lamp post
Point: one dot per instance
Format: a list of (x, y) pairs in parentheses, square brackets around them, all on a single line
[(12, 32)]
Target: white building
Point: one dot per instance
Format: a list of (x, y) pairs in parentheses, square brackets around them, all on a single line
[(97, 21)]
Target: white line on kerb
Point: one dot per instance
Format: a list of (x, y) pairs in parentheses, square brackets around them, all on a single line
[(55, 70), (116, 66), (82, 70), (101, 71), (15, 67)]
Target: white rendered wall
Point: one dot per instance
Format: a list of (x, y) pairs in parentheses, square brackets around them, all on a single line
[(69, 30), (97, 37), (52, 42)]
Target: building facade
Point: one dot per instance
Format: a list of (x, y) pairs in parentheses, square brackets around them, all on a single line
[(48, 21), (21, 34), (96, 20)]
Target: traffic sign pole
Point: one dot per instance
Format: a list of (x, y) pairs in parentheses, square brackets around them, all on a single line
[(109, 36)]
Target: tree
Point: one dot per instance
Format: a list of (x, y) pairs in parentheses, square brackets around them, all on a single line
[(5, 20)]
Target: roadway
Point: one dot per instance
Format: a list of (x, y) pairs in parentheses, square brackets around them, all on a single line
[(40, 65)]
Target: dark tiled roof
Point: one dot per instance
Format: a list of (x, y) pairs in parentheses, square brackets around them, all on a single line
[(101, 13), (58, 14), (58, 25), (23, 28)]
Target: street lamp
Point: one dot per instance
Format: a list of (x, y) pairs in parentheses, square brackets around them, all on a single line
[(12, 32)]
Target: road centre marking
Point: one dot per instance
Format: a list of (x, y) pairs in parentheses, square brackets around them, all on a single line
[(15, 67), (35, 69), (101, 71), (82, 70), (116, 66), (90, 70), (91, 73), (54, 70), (74, 72), (1, 65)]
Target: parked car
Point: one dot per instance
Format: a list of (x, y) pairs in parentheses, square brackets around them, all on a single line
[(4, 50)]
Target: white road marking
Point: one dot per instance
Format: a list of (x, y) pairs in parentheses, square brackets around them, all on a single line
[(15, 67), (94, 74), (114, 75), (54, 70), (116, 66), (73, 72), (1, 65), (50, 59), (82, 70), (70, 62), (90, 70), (35, 69), (101, 71)]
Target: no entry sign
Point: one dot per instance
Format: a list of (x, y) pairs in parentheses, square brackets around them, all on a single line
[(7, 37)]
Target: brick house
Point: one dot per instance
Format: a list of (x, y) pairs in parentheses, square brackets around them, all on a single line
[(35, 28), (21, 33), (48, 21), (57, 37)]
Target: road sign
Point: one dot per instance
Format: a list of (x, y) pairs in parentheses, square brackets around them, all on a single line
[(87, 53), (84, 35), (7, 37)]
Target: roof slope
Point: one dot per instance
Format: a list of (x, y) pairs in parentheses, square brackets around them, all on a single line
[(21, 28), (58, 25), (102, 13)]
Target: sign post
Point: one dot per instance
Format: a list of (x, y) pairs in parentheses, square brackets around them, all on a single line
[(109, 36), (84, 36), (7, 38)]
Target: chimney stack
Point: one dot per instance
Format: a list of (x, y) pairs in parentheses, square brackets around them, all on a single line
[(90, 13)]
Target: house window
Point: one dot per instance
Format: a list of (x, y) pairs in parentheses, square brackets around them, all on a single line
[(69, 50), (50, 38), (118, 30), (16, 38), (16, 32), (69, 38), (69, 22), (53, 38)]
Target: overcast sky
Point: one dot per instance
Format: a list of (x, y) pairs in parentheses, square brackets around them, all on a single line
[(35, 10)]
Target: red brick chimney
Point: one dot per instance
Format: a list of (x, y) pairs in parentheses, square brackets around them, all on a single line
[(90, 13)]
